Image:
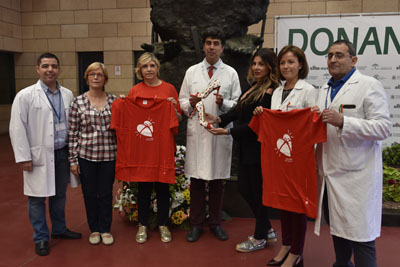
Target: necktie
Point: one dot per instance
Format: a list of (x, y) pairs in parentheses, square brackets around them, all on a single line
[(210, 71)]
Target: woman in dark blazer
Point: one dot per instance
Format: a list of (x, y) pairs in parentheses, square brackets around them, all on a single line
[(263, 78)]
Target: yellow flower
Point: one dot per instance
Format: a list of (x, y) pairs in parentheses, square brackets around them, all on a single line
[(178, 217), (135, 216), (186, 194)]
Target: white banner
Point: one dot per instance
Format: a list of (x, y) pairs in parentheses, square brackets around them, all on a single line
[(377, 41)]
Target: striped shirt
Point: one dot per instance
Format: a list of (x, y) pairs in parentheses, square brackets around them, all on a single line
[(89, 134)]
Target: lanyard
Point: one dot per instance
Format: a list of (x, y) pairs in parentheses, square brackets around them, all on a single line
[(58, 114), (326, 97)]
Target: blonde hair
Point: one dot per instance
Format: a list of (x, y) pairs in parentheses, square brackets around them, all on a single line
[(271, 80), (144, 59), (95, 66)]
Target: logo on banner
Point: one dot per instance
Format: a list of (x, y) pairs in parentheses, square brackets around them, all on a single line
[(396, 125), (145, 129), (375, 67), (284, 146), (379, 77), (397, 87), (396, 106)]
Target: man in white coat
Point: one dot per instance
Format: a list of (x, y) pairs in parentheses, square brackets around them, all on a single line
[(356, 111), (208, 156), (38, 131)]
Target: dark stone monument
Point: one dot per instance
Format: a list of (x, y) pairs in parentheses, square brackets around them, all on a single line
[(180, 24)]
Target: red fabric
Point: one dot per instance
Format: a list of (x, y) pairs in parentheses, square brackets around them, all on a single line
[(145, 136), (162, 91), (287, 158)]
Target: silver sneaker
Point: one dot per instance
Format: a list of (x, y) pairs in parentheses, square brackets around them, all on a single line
[(141, 236), (248, 245), (271, 236), (165, 234)]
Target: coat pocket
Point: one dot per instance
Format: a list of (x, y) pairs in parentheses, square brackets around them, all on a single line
[(37, 156)]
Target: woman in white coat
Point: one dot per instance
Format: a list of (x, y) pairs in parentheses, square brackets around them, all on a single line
[(294, 93)]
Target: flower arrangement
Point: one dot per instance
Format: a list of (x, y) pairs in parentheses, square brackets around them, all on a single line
[(126, 199), (391, 184)]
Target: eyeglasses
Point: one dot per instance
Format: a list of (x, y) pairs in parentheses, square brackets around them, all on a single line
[(336, 55), (99, 75)]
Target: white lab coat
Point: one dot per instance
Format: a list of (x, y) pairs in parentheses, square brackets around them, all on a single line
[(32, 138), (208, 156), (350, 162), (303, 95)]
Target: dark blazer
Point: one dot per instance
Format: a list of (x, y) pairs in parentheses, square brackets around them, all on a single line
[(249, 147)]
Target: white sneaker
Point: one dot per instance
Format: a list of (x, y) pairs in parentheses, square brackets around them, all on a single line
[(94, 238), (107, 238)]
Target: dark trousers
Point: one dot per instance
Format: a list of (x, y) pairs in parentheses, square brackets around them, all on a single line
[(37, 205), (294, 226), (97, 180), (198, 202), (144, 199), (250, 185), (364, 252)]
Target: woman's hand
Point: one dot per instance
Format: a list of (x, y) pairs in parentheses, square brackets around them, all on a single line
[(75, 169), (315, 108), (218, 131), (173, 100), (211, 119), (122, 96), (258, 110)]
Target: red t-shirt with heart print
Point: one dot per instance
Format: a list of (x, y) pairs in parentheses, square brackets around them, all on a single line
[(145, 129), (287, 158)]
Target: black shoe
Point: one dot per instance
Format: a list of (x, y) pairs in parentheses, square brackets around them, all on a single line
[(194, 234), (277, 263), (219, 233), (42, 248), (67, 235)]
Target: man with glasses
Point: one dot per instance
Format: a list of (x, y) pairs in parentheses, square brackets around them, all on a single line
[(356, 111), (38, 131)]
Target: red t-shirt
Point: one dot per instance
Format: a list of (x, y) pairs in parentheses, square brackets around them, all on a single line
[(145, 139), (162, 91), (287, 158)]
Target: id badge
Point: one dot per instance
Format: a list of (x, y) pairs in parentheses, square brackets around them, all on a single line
[(60, 127)]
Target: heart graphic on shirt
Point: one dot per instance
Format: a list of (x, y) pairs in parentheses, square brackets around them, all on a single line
[(284, 145), (145, 129)]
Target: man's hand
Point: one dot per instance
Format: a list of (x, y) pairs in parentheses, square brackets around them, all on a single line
[(26, 166), (219, 99), (75, 169), (193, 100), (332, 117)]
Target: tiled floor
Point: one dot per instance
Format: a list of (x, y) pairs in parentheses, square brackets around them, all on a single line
[(17, 248)]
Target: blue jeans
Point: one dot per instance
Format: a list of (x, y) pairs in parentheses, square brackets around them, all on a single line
[(37, 205)]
